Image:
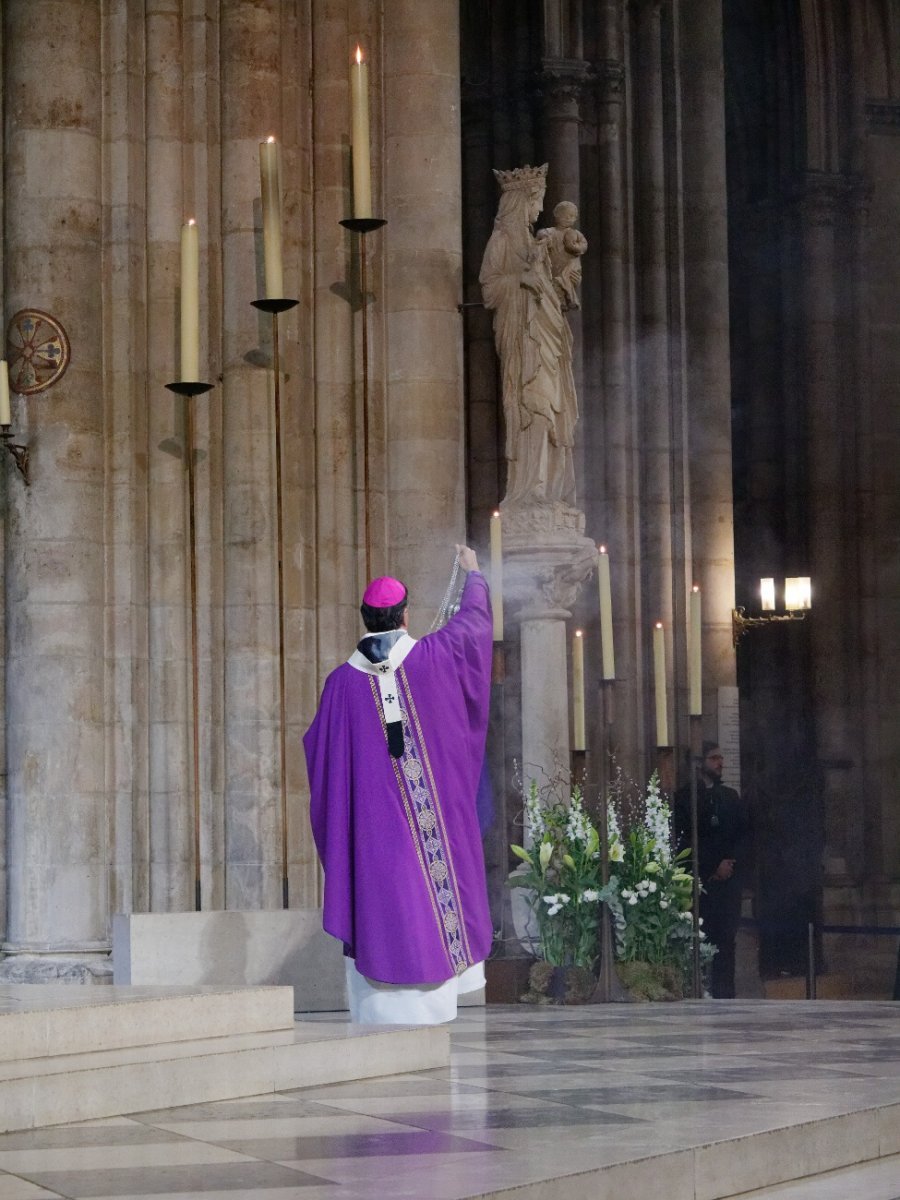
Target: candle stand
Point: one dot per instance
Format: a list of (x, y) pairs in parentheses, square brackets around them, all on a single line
[(609, 989), (696, 723), (18, 452), (665, 768), (188, 390), (579, 768), (276, 306), (361, 226)]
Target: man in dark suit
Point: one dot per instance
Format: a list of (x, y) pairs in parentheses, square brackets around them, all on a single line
[(723, 826)]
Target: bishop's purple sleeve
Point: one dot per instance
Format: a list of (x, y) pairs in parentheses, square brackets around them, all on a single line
[(468, 637)]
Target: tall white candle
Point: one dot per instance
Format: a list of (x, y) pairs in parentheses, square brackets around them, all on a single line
[(695, 656), (5, 418), (497, 576), (359, 136), (606, 626), (190, 302), (659, 680), (270, 190), (578, 738)]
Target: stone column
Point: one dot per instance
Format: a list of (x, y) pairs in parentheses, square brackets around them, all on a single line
[(876, 278), (251, 62), (654, 362), (545, 696), (833, 627), (127, 415), (612, 480), (562, 79), (166, 848), (423, 282), (545, 566), (181, 124), (485, 435), (710, 550), (55, 571)]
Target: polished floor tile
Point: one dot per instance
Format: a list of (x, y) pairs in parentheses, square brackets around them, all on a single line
[(543, 1101), (14, 1188), (162, 1180)]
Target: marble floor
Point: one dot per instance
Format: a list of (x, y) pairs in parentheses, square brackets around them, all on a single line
[(686, 1102)]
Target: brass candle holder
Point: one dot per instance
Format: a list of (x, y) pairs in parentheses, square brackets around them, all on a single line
[(609, 989), (188, 389), (17, 450), (276, 306)]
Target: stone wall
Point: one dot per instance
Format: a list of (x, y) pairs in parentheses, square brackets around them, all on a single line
[(121, 121)]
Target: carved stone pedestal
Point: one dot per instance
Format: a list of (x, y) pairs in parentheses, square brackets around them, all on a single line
[(547, 558)]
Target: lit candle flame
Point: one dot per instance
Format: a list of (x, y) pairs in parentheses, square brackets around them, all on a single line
[(191, 221), (602, 549), (578, 633), (271, 137), (359, 55), (696, 587), (659, 624)]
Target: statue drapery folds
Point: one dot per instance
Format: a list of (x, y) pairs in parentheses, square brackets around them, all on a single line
[(534, 343)]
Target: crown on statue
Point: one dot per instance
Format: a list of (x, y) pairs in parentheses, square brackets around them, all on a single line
[(523, 179)]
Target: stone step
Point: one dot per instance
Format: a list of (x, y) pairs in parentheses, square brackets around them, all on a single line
[(43, 1020), (878, 1180), (99, 1052), (265, 947)]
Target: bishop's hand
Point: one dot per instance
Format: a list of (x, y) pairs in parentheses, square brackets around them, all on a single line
[(466, 557)]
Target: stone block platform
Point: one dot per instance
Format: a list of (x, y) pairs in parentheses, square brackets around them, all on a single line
[(70, 1053), (269, 946)]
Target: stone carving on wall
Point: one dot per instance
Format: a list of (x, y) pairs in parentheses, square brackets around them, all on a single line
[(528, 282), (37, 351), (555, 580)]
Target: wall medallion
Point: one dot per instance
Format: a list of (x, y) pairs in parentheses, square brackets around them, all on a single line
[(37, 350)]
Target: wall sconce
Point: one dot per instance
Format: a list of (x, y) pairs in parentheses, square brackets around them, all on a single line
[(797, 603), (19, 452)]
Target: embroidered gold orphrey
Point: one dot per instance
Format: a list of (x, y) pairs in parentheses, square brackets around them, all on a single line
[(426, 825)]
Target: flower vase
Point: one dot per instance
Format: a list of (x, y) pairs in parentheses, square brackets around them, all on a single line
[(549, 984), (646, 981)]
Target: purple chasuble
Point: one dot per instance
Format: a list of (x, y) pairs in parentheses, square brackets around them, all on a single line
[(398, 838)]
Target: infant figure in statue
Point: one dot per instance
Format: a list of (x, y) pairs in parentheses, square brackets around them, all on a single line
[(565, 246)]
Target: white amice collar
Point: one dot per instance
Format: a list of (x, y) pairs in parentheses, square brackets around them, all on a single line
[(384, 672)]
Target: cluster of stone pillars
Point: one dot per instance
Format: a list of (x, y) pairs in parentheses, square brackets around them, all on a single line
[(625, 104)]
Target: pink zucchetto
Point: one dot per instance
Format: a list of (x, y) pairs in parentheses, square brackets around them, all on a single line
[(384, 592)]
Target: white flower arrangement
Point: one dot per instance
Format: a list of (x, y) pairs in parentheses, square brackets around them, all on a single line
[(563, 877), (649, 892)]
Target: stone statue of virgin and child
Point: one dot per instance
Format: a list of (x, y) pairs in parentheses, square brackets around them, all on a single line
[(529, 282)]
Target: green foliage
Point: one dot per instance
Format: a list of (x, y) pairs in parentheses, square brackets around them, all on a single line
[(562, 881), (650, 893)]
